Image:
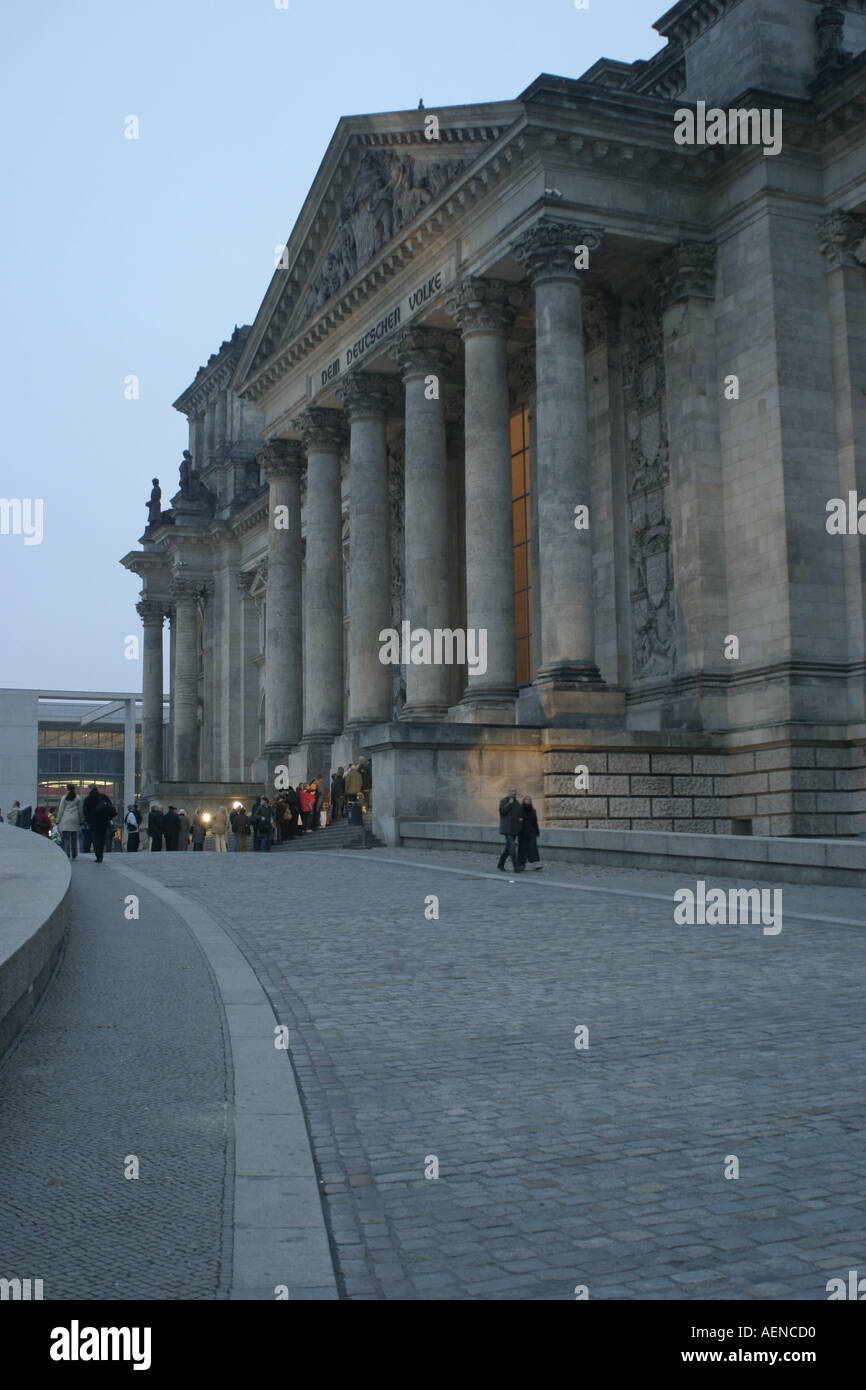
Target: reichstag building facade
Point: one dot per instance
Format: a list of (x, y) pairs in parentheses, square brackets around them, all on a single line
[(543, 460)]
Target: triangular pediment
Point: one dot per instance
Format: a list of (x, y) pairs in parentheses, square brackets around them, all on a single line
[(379, 175)]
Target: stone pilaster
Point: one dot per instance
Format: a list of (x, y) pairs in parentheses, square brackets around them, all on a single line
[(282, 461), (152, 614), (694, 385), (323, 432), (423, 355), (843, 243), (369, 398), (187, 593), (484, 315), (566, 669)]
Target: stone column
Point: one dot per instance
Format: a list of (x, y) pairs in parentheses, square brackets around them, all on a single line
[(423, 355), (186, 594), (283, 460), (693, 385), (484, 315), (565, 656), (368, 399), (323, 433), (151, 612)]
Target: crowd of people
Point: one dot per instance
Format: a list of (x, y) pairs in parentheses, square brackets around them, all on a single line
[(91, 822)]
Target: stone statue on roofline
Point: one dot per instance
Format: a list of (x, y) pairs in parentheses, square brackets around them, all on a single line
[(154, 506)]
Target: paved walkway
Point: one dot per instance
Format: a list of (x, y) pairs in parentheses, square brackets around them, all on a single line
[(125, 1057), (420, 1042)]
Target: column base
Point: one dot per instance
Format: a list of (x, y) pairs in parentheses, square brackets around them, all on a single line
[(275, 755), (494, 706), (311, 757), (575, 695), (425, 713)]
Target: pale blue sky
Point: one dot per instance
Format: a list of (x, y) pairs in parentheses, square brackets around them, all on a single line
[(126, 256)]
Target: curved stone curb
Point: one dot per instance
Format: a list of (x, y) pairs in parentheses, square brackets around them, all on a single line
[(35, 877), (278, 1227)]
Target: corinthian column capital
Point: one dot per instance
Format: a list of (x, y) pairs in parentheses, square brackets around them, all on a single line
[(481, 306), (190, 588), (151, 611), (552, 250), (281, 458), (420, 350), (321, 428), (367, 395)]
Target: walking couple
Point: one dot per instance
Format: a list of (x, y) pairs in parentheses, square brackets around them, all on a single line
[(519, 824)]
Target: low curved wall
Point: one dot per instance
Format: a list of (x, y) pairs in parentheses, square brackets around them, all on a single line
[(34, 888)]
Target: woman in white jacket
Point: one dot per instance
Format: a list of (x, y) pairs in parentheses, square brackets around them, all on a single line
[(69, 820)]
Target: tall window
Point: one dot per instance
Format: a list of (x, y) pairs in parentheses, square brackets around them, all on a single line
[(522, 538)]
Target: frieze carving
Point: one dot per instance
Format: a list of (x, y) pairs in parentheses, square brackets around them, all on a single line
[(651, 576), (389, 191)]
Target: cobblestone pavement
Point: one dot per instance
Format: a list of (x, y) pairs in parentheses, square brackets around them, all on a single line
[(455, 1039), (124, 1056)]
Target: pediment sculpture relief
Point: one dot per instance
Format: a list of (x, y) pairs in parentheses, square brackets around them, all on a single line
[(389, 192)]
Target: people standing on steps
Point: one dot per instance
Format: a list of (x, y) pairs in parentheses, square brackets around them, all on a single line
[(265, 824), (510, 821), (354, 783), (132, 823)]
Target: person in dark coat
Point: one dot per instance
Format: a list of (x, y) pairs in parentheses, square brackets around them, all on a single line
[(41, 822), (264, 825), (338, 794), (254, 820), (99, 813), (154, 826), (528, 841), (510, 820), (171, 828), (24, 815), (294, 806)]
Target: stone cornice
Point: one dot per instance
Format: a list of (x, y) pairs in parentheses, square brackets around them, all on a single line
[(367, 395), (420, 350), (548, 249), (688, 19), (282, 458), (214, 376), (321, 428), (479, 305)]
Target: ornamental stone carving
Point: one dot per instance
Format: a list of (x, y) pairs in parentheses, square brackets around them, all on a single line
[(651, 576), (281, 458), (151, 611), (419, 351), (549, 250), (389, 191), (481, 306), (321, 428), (686, 271), (367, 395), (843, 240)]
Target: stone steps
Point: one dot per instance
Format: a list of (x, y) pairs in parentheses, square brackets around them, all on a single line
[(339, 836)]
